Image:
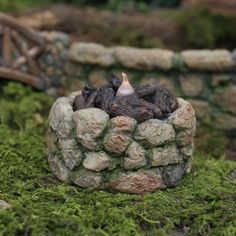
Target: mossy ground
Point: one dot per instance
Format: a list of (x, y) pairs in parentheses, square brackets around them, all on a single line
[(203, 204)]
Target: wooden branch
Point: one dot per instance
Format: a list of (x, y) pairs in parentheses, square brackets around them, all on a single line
[(27, 32), (22, 60), (9, 74), (32, 64), (6, 46)]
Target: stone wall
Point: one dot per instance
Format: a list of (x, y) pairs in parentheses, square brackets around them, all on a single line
[(205, 78)]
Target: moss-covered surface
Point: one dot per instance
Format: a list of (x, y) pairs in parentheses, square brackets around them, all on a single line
[(203, 204)]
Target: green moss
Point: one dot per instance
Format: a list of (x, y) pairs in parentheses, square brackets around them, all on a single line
[(204, 203)]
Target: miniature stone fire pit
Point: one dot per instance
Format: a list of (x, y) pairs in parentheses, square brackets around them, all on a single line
[(121, 139)]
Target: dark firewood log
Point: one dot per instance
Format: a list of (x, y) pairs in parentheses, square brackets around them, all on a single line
[(88, 90), (115, 83), (106, 98), (146, 103), (146, 92), (79, 102), (165, 100), (134, 107), (90, 102)]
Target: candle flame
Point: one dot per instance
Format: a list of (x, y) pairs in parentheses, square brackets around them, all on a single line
[(125, 88)]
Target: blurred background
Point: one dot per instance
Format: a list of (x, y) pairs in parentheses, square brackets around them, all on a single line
[(172, 24)]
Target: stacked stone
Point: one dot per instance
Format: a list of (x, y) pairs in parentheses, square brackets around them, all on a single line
[(91, 150), (53, 61), (151, 59), (203, 77)]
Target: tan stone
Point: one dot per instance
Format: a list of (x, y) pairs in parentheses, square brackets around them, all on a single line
[(215, 60), (60, 117), (116, 142), (123, 124), (226, 99), (90, 123), (154, 132), (163, 156), (88, 179), (146, 59), (96, 161), (92, 53), (192, 85), (184, 116), (136, 156), (138, 182)]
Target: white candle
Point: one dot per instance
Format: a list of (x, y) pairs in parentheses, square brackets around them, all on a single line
[(125, 88)]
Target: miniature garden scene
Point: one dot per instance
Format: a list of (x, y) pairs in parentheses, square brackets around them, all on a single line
[(117, 117)]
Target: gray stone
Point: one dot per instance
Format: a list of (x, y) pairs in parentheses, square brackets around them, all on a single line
[(202, 108), (123, 124), (225, 122), (139, 182), (146, 59), (192, 85), (71, 153), (216, 60), (72, 96), (58, 168), (136, 157), (88, 179), (96, 161), (51, 141), (163, 156), (185, 137), (92, 53), (184, 116), (116, 142), (173, 174), (226, 99), (189, 165), (155, 132), (219, 78), (4, 205), (187, 150), (90, 124), (60, 117)]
